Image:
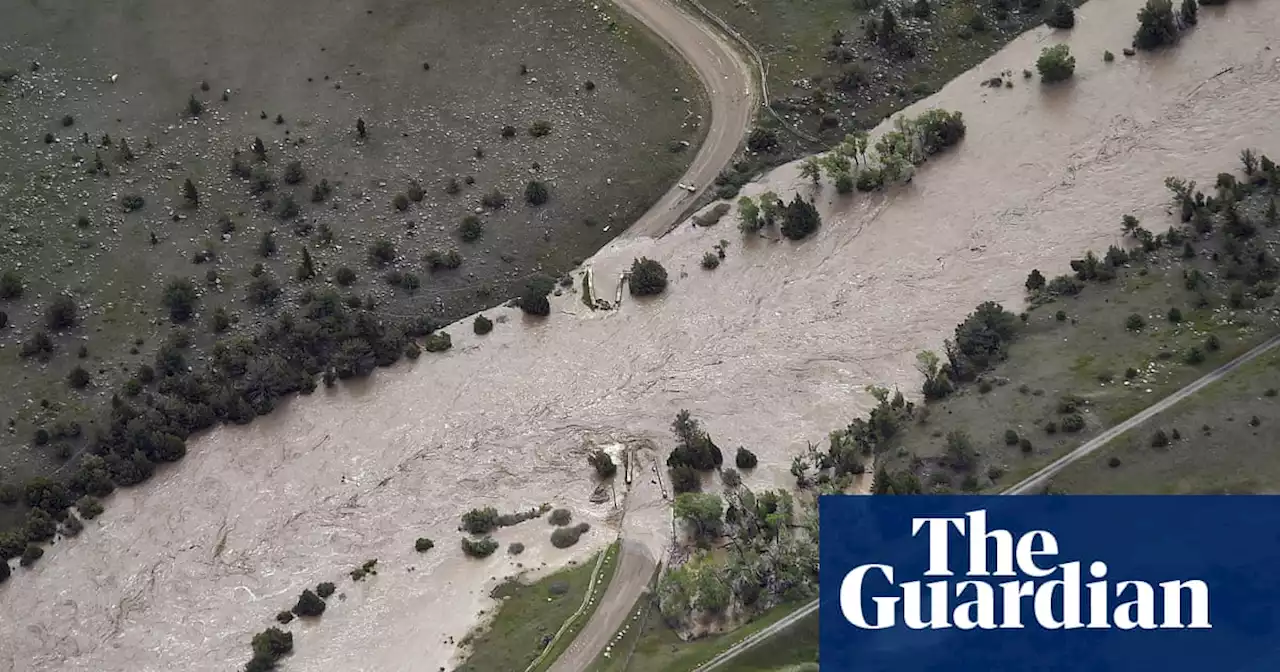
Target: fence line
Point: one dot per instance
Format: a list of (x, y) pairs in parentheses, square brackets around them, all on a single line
[(760, 66)]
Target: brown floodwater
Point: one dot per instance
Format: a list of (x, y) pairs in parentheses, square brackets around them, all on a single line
[(771, 351)]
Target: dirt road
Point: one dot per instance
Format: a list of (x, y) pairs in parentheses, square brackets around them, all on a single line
[(728, 79), (1031, 483), (646, 511)]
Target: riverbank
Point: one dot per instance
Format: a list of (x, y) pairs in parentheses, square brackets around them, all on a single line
[(771, 350)]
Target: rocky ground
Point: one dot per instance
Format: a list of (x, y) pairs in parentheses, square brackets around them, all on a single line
[(99, 104)]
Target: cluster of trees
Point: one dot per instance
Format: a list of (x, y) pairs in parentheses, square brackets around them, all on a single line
[(487, 519), (912, 141), (1159, 25), (694, 452), (980, 342), (848, 448), (1247, 265), (156, 410), (795, 220), (770, 558)]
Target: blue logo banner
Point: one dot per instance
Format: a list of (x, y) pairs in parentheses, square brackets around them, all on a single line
[(1050, 583)]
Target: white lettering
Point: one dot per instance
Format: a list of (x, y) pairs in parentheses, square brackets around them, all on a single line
[(1139, 613), (979, 612), (978, 537), (938, 562), (851, 598), (1098, 596), (1173, 604), (1045, 593), (1027, 552)]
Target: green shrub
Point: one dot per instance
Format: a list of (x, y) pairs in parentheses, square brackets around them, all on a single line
[(602, 463), (471, 229), (1062, 16), (437, 342), (443, 259), (1073, 423), (89, 507), (480, 521), (423, 544), (62, 313), (745, 459), (564, 537), (382, 252), (132, 202), (309, 604), (284, 617), (1134, 322), (481, 548), (180, 297), (10, 285), (647, 277), (1156, 25), (30, 555), (560, 517), (482, 325), (799, 219), (1010, 437), (1056, 64), (710, 261), (536, 193), (325, 589), (344, 276)]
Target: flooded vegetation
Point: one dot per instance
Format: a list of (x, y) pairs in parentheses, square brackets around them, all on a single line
[(771, 351)]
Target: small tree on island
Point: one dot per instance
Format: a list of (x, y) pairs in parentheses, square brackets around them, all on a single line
[(1056, 64), (1156, 25), (602, 463), (647, 277), (799, 219)]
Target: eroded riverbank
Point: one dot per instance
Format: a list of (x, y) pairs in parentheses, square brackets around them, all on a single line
[(771, 350)]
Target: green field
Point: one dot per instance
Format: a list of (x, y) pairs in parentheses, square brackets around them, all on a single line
[(531, 614)]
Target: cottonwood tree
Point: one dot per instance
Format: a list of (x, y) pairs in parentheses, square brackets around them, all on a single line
[(704, 512)]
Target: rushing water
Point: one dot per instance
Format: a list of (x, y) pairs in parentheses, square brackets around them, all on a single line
[(771, 350)]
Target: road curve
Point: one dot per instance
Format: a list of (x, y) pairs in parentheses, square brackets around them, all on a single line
[(729, 80), (1030, 483)]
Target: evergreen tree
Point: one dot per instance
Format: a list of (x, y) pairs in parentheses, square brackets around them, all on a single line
[(190, 194), (259, 149), (360, 129), (307, 269)]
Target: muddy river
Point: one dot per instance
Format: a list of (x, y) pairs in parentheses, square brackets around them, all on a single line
[(771, 350)]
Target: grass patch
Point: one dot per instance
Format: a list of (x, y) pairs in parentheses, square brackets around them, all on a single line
[(821, 62), (530, 616), (1231, 456), (657, 648)]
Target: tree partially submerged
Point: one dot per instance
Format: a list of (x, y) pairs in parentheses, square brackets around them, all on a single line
[(647, 277)]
